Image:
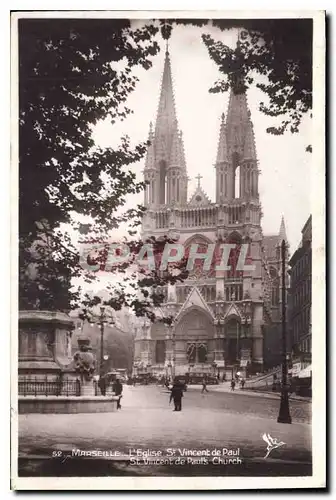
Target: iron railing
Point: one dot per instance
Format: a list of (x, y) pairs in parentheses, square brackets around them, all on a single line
[(45, 387), (108, 390)]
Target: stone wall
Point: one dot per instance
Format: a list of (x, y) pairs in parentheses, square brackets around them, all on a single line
[(75, 404)]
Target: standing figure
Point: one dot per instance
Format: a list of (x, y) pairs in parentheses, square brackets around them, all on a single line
[(233, 383), (242, 383), (102, 385), (204, 387), (117, 389), (177, 395)]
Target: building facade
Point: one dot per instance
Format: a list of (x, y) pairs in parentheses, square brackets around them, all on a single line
[(221, 318), (301, 296)]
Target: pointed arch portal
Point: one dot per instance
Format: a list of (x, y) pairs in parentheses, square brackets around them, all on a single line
[(195, 323)]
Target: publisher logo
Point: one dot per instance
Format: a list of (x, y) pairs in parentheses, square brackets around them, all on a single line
[(272, 443)]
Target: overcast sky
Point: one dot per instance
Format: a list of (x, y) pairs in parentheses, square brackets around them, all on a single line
[(285, 165)]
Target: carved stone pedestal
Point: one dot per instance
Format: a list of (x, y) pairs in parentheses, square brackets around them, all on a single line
[(45, 344)]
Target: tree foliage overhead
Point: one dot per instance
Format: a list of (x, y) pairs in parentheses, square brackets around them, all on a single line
[(279, 50), (70, 79)]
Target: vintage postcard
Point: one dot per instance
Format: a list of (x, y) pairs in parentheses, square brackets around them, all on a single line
[(168, 214)]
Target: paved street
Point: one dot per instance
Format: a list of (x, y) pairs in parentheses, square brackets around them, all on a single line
[(207, 421)]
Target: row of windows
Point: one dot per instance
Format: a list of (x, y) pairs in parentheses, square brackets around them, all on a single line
[(196, 352), (209, 293), (305, 345), (182, 293), (301, 324), (232, 292), (302, 293), (302, 266)]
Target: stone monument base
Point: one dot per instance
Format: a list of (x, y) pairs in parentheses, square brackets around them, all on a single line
[(70, 404), (44, 344)]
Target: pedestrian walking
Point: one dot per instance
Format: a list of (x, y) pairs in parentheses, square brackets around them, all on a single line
[(177, 395), (233, 384), (117, 389), (242, 383), (204, 387), (102, 385)]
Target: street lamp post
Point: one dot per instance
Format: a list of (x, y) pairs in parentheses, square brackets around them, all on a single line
[(105, 316), (174, 350), (237, 346), (246, 330), (101, 364), (284, 415)]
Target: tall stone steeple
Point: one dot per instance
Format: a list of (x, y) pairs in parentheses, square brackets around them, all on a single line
[(150, 172), (166, 121), (165, 167), (236, 138), (222, 164), (282, 231)]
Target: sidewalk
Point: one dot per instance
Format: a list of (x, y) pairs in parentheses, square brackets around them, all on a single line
[(225, 387)]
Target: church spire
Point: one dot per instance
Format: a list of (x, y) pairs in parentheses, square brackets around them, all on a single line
[(222, 152), (237, 165), (150, 171), (282, 232), (166, 120), (150, 157), (182, 153), (167, 155), (249, 151), (237, 119), (240, 136), (222, 163)]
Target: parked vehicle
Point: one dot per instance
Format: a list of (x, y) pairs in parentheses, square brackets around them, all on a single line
[(197, 379), (145, 379)]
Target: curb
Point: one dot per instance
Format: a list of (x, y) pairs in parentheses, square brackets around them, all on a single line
[(249, 392)]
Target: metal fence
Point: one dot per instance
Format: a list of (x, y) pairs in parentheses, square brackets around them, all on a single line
[(108, 390), (38, 387)]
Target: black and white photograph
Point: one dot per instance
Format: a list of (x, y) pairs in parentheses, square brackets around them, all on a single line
[(169, 227)]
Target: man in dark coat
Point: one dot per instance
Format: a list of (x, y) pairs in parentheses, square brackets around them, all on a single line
[(177, 395), (117, 389), (102, 385)]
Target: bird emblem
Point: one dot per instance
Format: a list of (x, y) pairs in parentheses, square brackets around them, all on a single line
[(272, 444)]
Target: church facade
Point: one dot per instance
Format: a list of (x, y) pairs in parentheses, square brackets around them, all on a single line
[(224, 321)]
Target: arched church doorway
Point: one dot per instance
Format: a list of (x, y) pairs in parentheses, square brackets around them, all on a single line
[(195, 332)]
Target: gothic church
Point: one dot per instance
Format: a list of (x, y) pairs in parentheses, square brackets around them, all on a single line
[(224, 321)]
